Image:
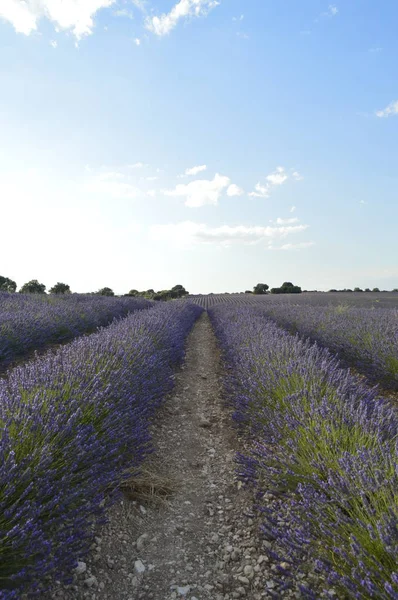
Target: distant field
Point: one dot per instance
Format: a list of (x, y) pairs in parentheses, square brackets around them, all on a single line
[(32, 321), (359, 299), (361, 328)]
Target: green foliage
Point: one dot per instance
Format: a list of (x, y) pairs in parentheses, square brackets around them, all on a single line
[(260, 288), (60, 288), (177, 291), (106, 291), (7, 285), (33, 287), (287, 288)]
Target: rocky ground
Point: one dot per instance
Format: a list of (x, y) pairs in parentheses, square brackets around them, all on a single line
[(188, 532)]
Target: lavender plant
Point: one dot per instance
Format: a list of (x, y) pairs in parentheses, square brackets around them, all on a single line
[(30, 321), (365, 336), (325, 442), (70, 423)]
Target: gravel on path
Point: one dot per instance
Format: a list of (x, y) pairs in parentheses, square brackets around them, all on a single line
[(202, 542)]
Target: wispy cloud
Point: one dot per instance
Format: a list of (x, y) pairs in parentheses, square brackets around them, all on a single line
[(290, 221), (292, 209), (137, 41), (123, 12), (137, 165), (297, 176), (74, 15), (278, 177), (111, 184), (240, 18), (332, 10), (188, 232), (201, 192), (299, 246), (181, 11), (54, 43), (195, 170), (390, 110)]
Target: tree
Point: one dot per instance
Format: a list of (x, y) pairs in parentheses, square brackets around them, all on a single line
[(60, 288), (287, 288), (367, 289), (7, 285), (179, 291), (106, 291), (260, 288), (357, 289), (375, 290), (33, 287)]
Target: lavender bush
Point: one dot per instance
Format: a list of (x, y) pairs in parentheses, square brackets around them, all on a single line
[(30, 321), (326, 444), (367, 338), (70, 423)]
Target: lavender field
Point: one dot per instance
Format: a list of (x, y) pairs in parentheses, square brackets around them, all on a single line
[(71, 422), (320, 440), (326, 444), (362, 328), (31, 321)]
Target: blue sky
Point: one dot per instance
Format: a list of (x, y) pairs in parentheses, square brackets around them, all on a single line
[(212, 144)]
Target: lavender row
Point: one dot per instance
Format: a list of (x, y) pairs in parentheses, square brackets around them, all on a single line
[(30, 321), (326, 445), (368, 339), (70, 423)]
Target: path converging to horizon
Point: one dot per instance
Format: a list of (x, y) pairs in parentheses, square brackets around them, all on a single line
[(201, 542)]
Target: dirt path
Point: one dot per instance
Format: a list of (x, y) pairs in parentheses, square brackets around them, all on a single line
[(202, 543)]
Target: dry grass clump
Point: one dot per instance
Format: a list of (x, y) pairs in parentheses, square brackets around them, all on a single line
[(153, 483)]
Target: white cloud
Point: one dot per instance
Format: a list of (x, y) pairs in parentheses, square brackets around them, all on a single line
[(183, 9), (195, 170), (123, 12), (137, 165), (298, 246), (261, 191), (238, 18), (54, 44), (242, 35), (234, 190), (139, 4), (74, 15), (151, 193), (201, 191), (332, 10), (137, 41), (152, 178), (293, 208), (278, 177), (287, 221), (188, 233), (391, 109), (297, 176)]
